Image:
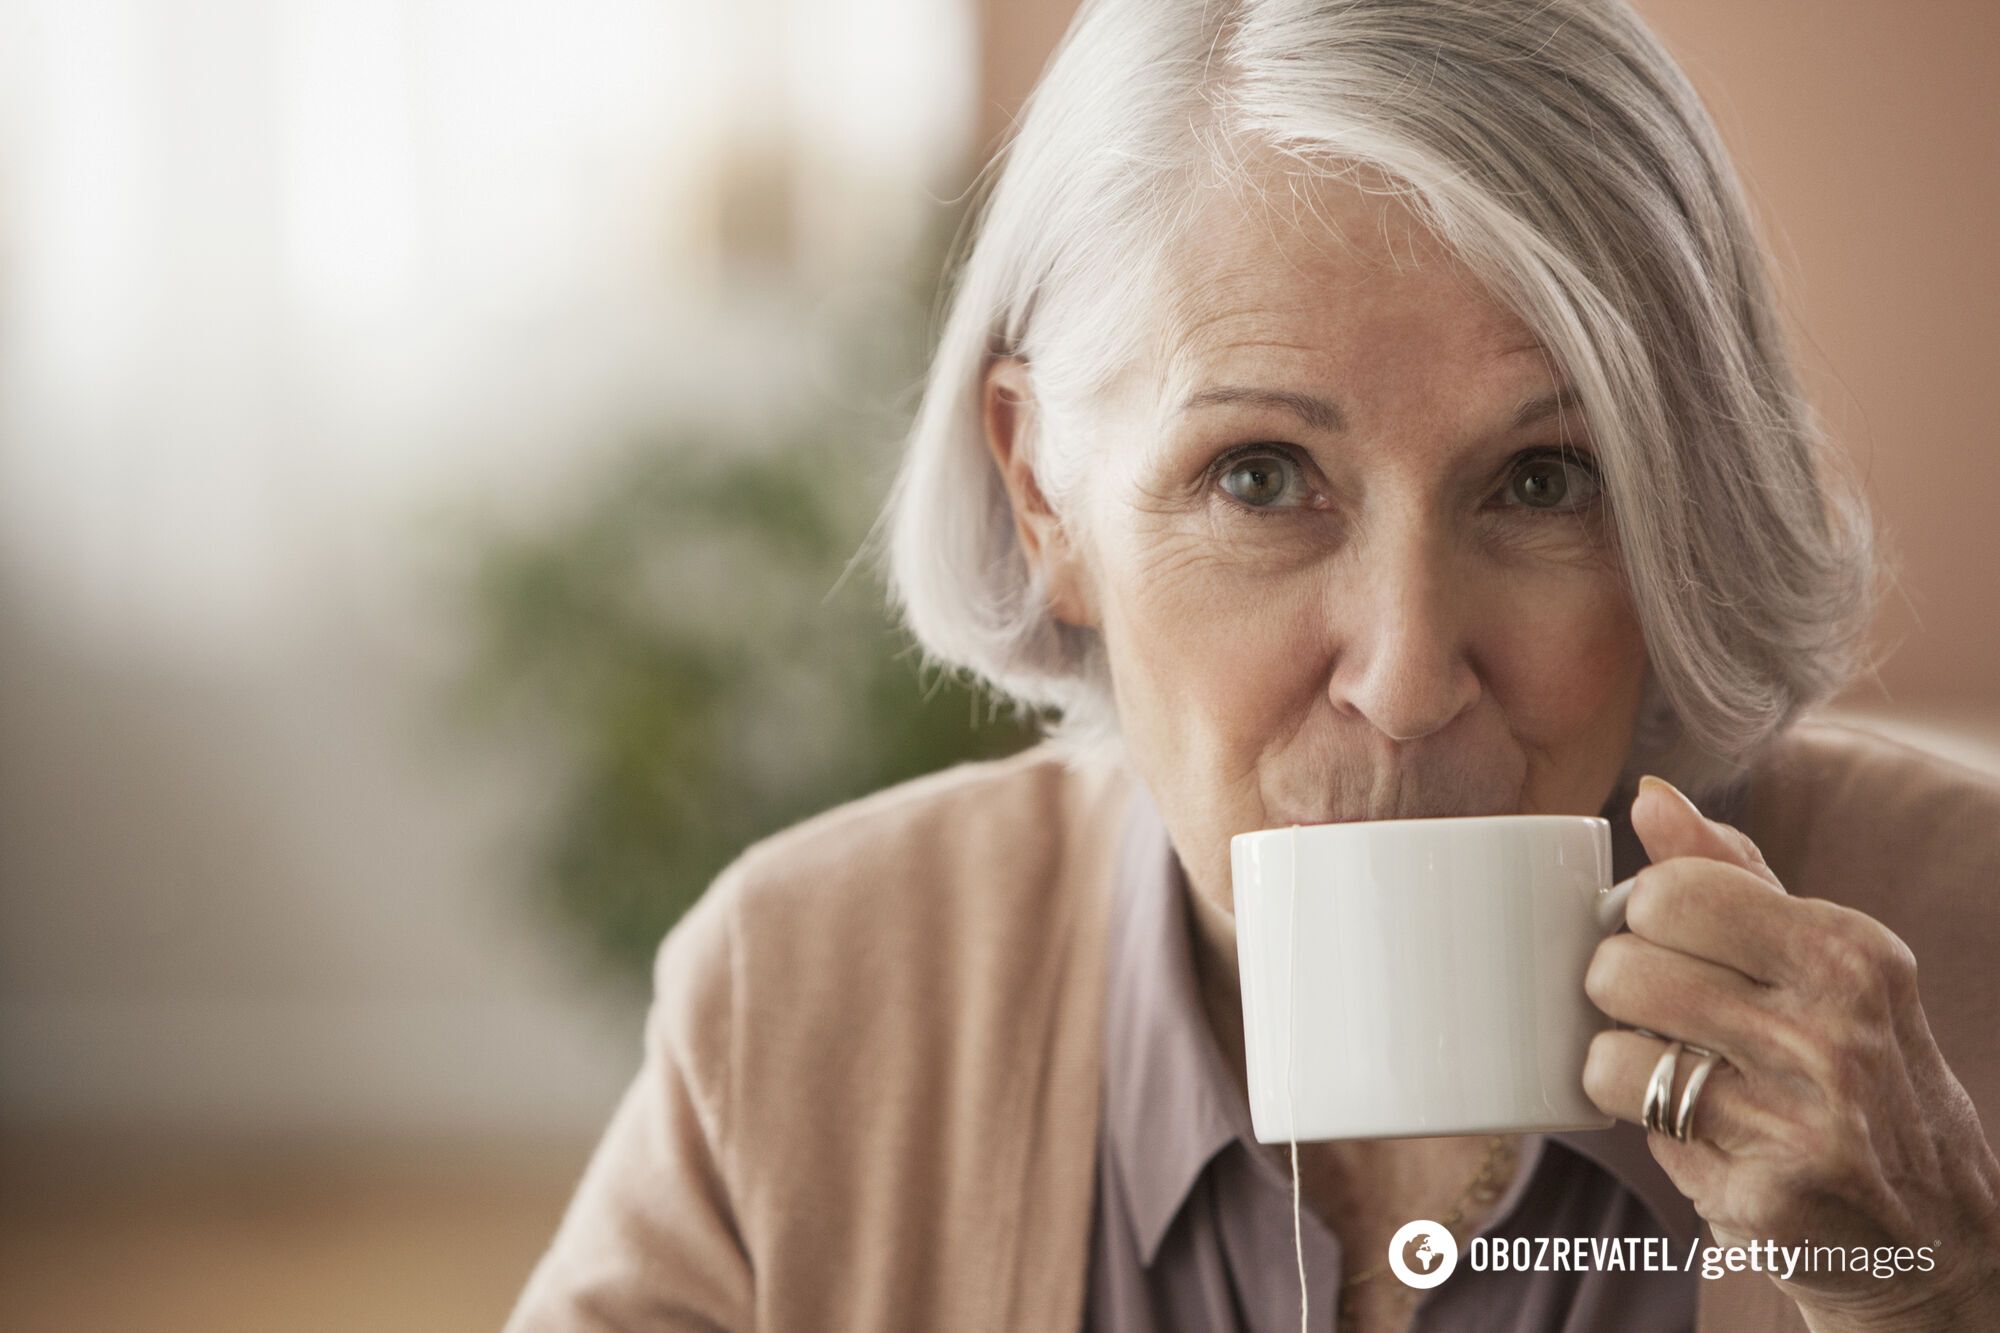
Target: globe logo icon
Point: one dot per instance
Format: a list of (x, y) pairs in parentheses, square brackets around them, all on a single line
[(1422, 1253)]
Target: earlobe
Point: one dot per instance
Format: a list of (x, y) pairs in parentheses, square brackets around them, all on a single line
[(1008, 416)]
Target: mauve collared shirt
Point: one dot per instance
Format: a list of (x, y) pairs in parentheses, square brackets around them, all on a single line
[(1192, 1226)]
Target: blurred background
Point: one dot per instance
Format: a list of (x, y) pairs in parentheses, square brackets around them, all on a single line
[(433, 439)]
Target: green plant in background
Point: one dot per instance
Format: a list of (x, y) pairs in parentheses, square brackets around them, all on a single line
[(708, 669)]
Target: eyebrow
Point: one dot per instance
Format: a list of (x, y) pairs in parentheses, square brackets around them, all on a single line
[(1323, 414), (1543, 406), (1318, 413)]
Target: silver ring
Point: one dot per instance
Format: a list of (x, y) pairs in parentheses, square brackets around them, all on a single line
[(1683, 1126), (1660, 1088)]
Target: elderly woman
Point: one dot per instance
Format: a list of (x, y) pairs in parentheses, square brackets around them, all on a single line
[(1346, 411)]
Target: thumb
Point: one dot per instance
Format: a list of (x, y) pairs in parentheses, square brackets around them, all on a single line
[(1669, 825)]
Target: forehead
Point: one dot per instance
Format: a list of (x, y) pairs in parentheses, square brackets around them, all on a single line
[(1332, 280)]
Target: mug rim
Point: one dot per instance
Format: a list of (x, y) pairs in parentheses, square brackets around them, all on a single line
[(1531, 817)]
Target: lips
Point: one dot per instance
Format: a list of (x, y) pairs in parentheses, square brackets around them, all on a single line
[(1400, 810)]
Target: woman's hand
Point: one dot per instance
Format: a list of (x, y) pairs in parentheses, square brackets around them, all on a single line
[(1834, 1120)]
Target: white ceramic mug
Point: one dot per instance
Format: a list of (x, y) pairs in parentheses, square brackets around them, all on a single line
[(1431, 971)]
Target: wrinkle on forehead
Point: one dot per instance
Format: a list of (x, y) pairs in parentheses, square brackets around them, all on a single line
[(1250, 259)]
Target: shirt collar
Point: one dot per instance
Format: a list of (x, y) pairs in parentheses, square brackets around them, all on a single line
[(1170, 1101)]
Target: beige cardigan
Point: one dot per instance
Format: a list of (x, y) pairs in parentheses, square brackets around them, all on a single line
[(869, 1094)]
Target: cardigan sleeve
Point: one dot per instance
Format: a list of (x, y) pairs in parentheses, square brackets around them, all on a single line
[(650, 1239)]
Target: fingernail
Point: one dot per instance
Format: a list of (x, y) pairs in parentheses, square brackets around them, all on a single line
[(1667, 786)]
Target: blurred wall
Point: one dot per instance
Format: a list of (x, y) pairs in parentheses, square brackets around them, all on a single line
[(282, 282), (1869, 136)]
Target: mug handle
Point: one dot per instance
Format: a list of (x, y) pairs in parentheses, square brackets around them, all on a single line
[(1611, 905)]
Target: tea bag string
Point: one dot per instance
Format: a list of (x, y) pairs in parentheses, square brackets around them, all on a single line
[(1291, 1107)]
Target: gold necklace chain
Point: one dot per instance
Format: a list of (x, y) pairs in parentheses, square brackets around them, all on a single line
[(1486, 1185)]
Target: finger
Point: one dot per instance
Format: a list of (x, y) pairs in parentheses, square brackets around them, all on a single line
[(1620, 1064), (1633, 980), (1670, 825), (1720, 912)]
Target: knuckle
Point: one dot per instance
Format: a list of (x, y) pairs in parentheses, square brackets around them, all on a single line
[(1838, 957), (1894, 959), (1865, 961)]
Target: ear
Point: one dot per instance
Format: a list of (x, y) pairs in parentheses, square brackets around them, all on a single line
[(1008, 414)]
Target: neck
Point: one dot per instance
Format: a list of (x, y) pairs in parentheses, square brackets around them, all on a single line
[(1212, 937)]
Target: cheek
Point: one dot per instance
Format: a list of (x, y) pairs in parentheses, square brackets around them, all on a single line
[(1568, 662), (1205, 653)]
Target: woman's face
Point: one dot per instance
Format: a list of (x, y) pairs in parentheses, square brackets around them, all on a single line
[(1341, 566)]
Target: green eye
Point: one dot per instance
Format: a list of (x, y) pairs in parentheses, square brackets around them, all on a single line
[(1552, 481), (1259, 481)]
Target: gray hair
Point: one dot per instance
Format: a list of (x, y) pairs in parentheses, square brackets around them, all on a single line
[(1557, 149)]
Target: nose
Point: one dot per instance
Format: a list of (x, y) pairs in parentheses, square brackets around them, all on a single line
[(1401, 616)]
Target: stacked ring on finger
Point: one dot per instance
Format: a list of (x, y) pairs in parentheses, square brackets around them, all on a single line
[(1683, 1125), (1659, 1090)]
